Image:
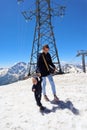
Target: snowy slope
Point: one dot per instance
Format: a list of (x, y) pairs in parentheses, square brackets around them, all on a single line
[(15, 73), (18, 110)]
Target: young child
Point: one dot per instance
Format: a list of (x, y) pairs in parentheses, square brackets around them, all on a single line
[(37, 89)]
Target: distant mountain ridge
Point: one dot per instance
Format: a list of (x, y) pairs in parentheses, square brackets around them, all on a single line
[(19, 71), (71, 68), (13, 74)]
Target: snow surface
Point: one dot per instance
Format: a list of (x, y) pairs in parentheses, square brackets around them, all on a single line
[(18, 110)]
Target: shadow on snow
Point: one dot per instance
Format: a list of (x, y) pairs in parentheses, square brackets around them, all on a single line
[(62, 105), (65, 105)]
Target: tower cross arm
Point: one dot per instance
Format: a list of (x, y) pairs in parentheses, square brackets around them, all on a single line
[(81, 52), (19, 1), (58, 11), (28, 15), (78, 55)]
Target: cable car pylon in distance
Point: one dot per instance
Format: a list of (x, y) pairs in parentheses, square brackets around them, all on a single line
[(83, 54), (44, 33)]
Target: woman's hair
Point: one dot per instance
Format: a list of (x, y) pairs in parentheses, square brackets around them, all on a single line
[(45, 46)]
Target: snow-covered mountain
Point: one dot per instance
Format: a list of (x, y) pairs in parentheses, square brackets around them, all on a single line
[(71, 68), (13, 74), (19, 70)]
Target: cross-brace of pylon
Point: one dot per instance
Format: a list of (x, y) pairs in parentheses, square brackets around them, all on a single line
[(83, 54), (44, 31), (58, 11)]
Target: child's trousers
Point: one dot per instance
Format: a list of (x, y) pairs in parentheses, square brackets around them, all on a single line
[(38, 99)]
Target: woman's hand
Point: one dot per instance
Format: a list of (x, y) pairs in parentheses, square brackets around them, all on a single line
[(33, 90), (39, 74)]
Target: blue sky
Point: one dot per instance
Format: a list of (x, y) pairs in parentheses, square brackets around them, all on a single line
[(16, 35)]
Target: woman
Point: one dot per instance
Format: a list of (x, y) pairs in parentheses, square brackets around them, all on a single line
[(43, 66)]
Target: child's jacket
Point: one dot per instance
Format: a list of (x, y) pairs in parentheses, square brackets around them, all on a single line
[(37, 87)]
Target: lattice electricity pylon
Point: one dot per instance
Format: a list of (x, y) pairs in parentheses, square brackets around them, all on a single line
[(83, 54), (44, 31)]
